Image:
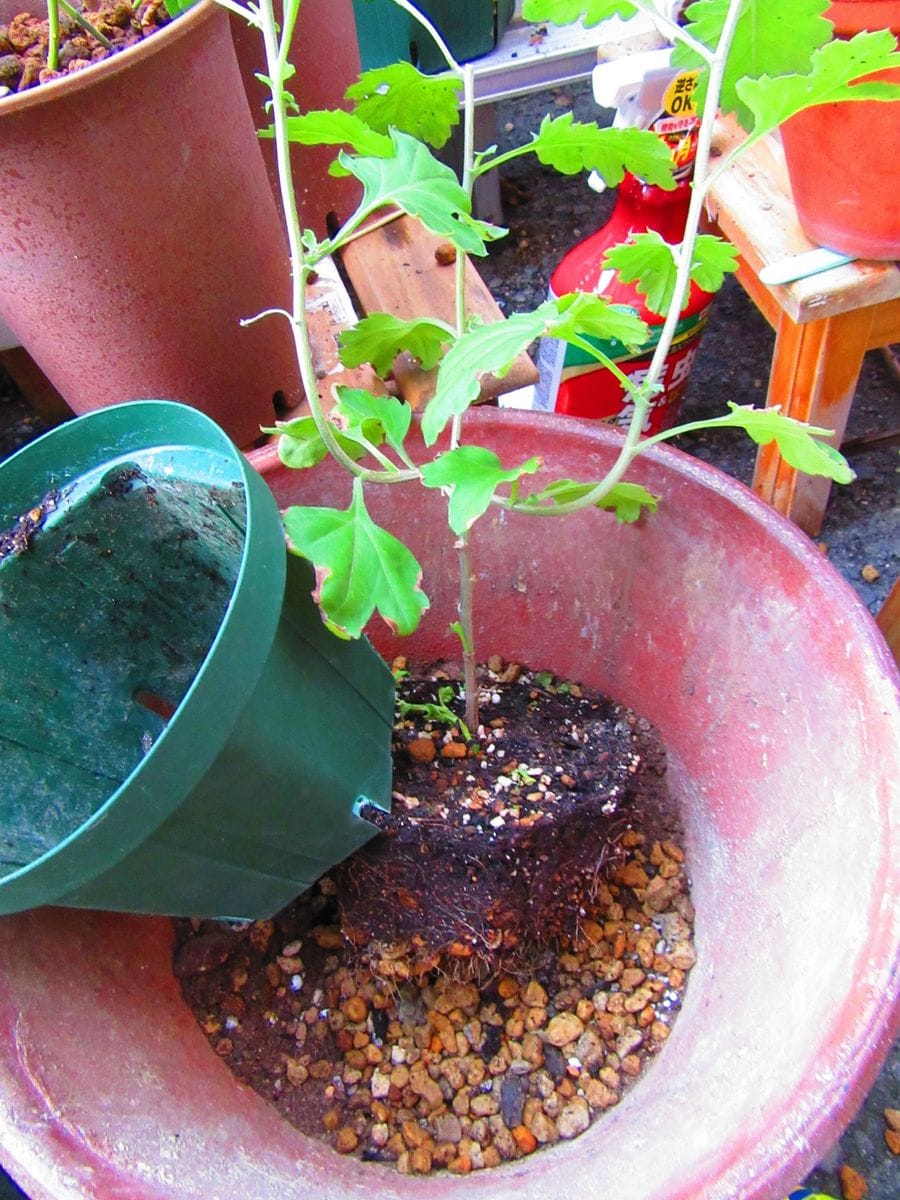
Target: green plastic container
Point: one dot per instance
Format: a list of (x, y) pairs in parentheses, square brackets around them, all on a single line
[(178, 732), (387, 34)]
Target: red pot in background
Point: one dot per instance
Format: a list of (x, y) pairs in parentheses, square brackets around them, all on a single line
[(842, 158), (776, 698), (138, 227), (326, 54)]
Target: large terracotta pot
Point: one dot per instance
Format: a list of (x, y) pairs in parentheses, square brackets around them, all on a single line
[(777, 700), (138, 228), (841, 157)]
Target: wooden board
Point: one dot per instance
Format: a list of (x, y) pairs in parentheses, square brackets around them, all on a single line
[(394, 270), (330, 311)]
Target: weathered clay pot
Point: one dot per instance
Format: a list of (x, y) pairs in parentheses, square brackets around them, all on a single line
[(325, 51), (138, 227), (777, 700)]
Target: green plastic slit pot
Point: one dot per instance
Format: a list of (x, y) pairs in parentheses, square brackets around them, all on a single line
[(776, 697), (178, 733)]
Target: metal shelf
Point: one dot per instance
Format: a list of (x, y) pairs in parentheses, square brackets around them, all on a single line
[(531, 57)]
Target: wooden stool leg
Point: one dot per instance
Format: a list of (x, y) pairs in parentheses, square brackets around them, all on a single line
[(815, 368)]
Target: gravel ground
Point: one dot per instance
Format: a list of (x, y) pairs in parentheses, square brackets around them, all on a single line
[(548, 213)]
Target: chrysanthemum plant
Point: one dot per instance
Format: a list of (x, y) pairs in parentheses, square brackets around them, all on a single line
[(762, 59)]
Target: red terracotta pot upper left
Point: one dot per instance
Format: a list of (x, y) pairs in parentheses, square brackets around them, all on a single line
[(138, 227)]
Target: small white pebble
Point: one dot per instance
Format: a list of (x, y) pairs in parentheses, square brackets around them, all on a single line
[(296, 983)]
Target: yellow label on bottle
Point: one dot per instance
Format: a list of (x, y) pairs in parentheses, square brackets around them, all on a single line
[(678, 100)]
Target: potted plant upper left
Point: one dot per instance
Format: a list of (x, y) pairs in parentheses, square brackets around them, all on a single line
[(136, 217), (680, 609)]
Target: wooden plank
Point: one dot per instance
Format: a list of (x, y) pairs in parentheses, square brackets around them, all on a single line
[(752, 205), (393, 269), (329, 311)]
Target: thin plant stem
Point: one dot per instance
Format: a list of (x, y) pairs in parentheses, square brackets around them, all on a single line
[(246, 14), (276, 60), (81, 20), (53, 35), (463, 546), (632, 445), (432, 29), (387, 219), (672, 30), (466, 609)]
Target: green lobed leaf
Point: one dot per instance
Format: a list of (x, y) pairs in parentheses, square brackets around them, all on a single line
[(491, 349), (570, 146), (585, 314), (486, 349), (800, 445), (769, 37), (334, 127), (648, 262), (300, 444), (473, 474), (380, 337), (833, 69), (400, 97), (360, 567), (357, 407), (564, 12), (714, 258), (626, 500), (416, 182)]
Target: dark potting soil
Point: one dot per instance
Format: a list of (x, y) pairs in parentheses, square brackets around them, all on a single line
[(24, 41), (484, 1050), (497, 839)]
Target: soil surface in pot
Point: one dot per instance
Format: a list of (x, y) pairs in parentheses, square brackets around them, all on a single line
[(452, 1045), (24, 41)]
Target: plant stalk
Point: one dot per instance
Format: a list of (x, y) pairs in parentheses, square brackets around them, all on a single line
[(276, 51), (53, 35), (466, 572), (632, 445)]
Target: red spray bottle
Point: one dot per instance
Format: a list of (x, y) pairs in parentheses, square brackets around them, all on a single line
[(571, 380)]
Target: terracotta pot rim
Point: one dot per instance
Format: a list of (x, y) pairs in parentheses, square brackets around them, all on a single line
[(94, 76)]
